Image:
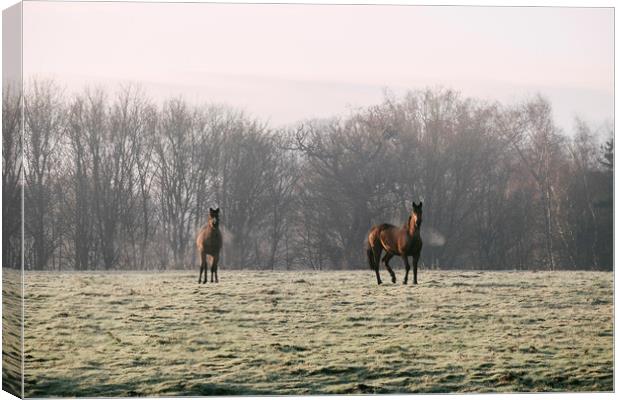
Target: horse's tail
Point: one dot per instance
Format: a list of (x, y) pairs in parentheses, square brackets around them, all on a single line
[(370, 247), (371, 257)]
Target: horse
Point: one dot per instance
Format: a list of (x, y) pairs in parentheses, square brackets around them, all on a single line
[(209, 243), (404, 241)]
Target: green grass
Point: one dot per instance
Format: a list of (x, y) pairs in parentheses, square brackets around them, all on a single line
[(141, 334)]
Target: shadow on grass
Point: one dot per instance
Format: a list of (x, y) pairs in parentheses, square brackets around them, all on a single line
[(12, 382), (63, 387)]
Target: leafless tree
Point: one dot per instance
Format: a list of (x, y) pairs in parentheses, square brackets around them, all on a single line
[(44, 121), (113, 181), (11, 176), (187, 148)]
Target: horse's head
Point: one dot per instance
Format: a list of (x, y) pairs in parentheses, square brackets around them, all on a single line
[(416, 215), (214, 217)]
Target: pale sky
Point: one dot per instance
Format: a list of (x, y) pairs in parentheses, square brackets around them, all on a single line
[(284, 63)]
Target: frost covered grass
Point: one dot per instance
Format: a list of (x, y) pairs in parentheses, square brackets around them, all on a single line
[(147, 334), (11, 331)]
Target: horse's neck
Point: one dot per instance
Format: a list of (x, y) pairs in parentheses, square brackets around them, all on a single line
[(405, 230), (210, 231), (410, 231)]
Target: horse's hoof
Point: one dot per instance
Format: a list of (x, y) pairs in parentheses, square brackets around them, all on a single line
[(404, 282), (378, 283), (394, 280)]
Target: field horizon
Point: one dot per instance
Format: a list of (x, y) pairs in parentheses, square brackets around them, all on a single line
[(329, 332), (396, 267)]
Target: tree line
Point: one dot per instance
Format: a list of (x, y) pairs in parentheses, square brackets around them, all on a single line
[(114, 181)]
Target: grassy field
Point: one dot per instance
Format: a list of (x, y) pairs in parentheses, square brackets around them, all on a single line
[(11, 331), (140, 334)]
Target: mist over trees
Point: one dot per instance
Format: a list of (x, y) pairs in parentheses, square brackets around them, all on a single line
[(113, 181)]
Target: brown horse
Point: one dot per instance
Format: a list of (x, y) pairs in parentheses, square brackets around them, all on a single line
[(209, 242), (403, 241)]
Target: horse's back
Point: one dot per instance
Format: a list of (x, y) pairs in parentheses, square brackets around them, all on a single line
[(373, 235), (388, 236), (376, 232), (385, 226), (386, 229)]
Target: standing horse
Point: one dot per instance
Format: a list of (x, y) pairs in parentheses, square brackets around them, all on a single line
[(405, 242), (209, 242)]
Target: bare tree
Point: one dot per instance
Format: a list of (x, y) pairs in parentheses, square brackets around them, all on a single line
[(11, 177), (350, 173), (282, 180), (44, 120), (133, 119), (186, 151), (533, 136), (246, 163), (116, 182)]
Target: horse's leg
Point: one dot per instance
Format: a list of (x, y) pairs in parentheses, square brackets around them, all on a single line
[(377, 251), (407, 267), (203, 265), (214, 267), (377, 256), (206, 268), (378, 277), (386, 260), (415, 268)]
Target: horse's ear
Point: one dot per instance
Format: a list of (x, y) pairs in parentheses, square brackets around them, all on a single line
[(211, 210), (420, 204), (217, 209), (413, 204)]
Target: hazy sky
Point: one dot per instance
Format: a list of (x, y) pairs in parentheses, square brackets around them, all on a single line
[(289, 62)]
